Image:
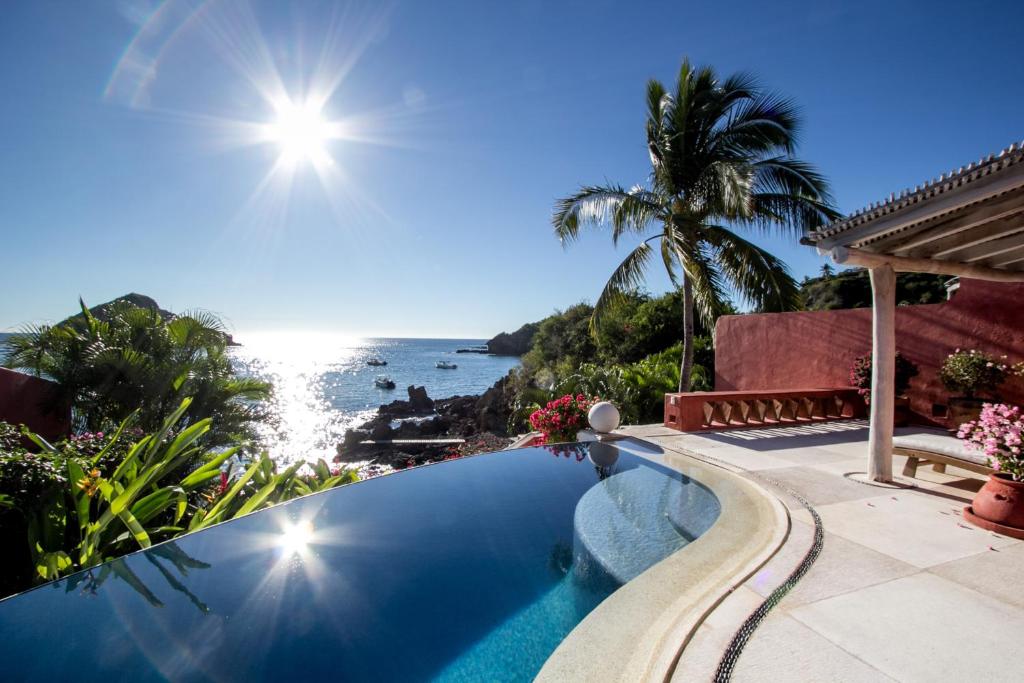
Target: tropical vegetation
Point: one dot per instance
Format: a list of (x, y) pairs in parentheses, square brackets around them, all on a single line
[(133, 360), (722, 158), (852, 289), (87, 499), (629, 356)]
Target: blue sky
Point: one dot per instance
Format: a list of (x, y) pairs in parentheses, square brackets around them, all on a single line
[(127, 163)]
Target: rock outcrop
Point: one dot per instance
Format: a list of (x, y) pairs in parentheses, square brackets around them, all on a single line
[(515, 344), (481, 420)]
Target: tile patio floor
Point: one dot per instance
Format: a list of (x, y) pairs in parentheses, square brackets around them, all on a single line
[(903, 589)]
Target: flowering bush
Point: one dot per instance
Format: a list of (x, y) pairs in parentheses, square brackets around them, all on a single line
[(561, 418), (974, 372), (860, 375), (997, 432)]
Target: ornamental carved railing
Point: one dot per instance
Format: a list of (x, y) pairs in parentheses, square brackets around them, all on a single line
[(703, 410)]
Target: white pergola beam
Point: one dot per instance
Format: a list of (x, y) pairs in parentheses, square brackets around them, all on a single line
[(857, 257), (909, 240), (990, 230), (990, 249)]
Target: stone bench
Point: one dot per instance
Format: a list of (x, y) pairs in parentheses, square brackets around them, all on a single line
[(939, 449), (702, 410)]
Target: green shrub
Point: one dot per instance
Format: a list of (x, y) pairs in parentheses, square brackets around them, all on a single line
[(637, 389), (136, 361)]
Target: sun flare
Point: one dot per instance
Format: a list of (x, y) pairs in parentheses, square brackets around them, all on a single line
[(301, 132), (295, 538)]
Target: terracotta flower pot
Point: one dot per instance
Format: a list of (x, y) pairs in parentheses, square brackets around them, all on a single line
[(999, 506)]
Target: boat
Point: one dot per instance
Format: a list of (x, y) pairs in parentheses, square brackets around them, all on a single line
[(445, 365), (384, 382), (376, 362)]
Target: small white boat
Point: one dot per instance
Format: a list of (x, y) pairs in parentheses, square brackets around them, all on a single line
[(445, 365), (376, 362), (384, 382)]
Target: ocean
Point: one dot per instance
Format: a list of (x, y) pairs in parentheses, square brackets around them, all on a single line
[(323, 386)]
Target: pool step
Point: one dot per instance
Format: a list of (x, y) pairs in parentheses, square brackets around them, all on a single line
[(632, 520)]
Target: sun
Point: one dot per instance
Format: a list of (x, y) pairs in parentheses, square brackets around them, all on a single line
[(301, 132)]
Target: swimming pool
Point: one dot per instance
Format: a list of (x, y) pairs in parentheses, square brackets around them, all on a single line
[(474, 569)]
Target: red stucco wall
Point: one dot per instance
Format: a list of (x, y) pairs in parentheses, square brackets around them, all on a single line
[(816, 348), (24, 400)]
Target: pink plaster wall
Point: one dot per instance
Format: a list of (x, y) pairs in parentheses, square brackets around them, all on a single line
[(23, 400), (816, 348)]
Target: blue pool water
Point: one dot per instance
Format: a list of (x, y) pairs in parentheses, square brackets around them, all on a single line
[(469, 570)]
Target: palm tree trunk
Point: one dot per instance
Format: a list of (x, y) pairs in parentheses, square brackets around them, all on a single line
[(686, 366)]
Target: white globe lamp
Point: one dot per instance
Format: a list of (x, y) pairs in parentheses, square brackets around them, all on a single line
[(603, 417)]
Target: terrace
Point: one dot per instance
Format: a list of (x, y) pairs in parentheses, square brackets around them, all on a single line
[(896, 585)]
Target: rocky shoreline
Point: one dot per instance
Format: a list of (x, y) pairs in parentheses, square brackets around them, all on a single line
[(422, 430)]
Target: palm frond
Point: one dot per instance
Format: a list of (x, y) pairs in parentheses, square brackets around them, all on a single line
[(757, 276), (627, 276), (625, 211), (708, 294)]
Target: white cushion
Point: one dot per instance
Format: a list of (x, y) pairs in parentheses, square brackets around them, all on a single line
[(941, 444)]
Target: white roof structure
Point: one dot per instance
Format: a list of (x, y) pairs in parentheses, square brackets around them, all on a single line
[(969, 222)]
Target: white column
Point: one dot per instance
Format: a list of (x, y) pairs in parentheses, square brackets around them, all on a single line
[(883, 372)]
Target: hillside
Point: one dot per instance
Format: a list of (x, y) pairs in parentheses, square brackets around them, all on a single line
[(852, 289)]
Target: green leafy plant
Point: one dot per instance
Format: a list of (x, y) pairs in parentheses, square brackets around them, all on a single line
[(89, 508), (970, 373), (638, 389)]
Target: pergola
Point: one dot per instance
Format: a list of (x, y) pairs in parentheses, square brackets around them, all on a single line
[(968, 222)]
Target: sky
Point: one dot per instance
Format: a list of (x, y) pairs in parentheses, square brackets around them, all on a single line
[(149, 146)]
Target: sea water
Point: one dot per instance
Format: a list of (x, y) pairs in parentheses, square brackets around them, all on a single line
[(323, 386)]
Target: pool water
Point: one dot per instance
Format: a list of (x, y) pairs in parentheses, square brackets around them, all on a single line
[(474, 569)]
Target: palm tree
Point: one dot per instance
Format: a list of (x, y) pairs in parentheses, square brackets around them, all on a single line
[(721, 157)]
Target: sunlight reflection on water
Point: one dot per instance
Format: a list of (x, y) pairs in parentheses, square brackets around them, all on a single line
[(323, 386)]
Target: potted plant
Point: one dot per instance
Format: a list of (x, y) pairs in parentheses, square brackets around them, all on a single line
[(860, 377), (999, 505), (966, 375)]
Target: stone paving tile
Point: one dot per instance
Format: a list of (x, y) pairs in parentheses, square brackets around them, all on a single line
[(789, 556), (783, 650), (702, 655), (819, 488), (908, 526), (923, 628), (997, 573), (809, 456), (740, 457), (841, 567)]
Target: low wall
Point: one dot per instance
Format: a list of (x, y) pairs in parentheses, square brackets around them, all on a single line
[(24, 400), (816, 348)]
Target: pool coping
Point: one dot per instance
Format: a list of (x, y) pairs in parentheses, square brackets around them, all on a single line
[(640, 631)]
